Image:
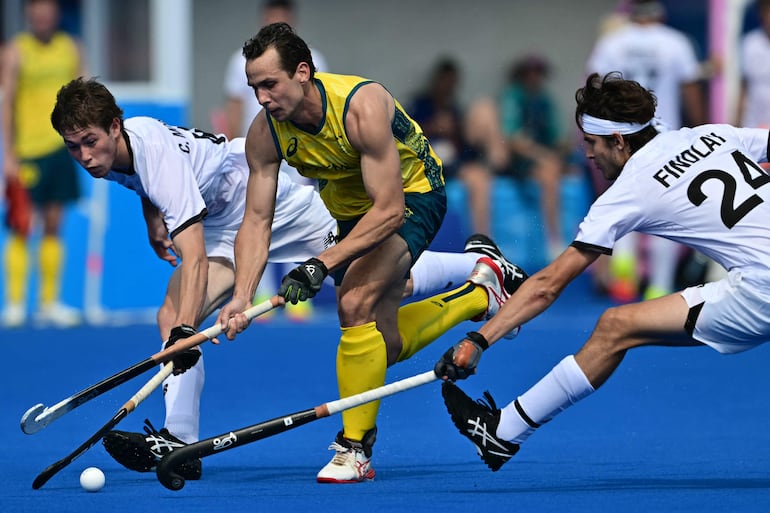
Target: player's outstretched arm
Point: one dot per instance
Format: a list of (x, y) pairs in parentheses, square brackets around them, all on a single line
[(532, 298)]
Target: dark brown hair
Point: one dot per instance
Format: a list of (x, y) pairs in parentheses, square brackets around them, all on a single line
[(292, 49), (83, 103), (615, 99)]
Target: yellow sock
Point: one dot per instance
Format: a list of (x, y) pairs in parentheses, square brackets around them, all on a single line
[(51, 259), (423, 322), (16, 269), (361, 363)]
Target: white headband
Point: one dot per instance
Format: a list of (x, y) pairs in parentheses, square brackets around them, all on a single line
[(598, 126)]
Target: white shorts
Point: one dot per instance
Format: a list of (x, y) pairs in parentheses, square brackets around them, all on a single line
[(734, 312), (221, 243)]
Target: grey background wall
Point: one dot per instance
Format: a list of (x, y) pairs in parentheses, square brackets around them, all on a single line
[(397, 41)]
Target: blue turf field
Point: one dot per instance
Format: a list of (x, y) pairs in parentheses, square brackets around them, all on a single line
[(673, 429)]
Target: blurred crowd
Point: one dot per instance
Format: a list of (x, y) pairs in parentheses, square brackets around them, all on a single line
[(519, 140), (512, 160)]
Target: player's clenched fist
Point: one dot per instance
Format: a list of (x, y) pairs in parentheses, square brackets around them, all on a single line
[(460, 360), (303, 282), (186, 359)]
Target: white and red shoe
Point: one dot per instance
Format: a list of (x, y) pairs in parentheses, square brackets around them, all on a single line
[(352, 461), (499, 283)]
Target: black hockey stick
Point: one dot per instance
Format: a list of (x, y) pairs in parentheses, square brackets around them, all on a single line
[(127, 408), (232, 439), (39, 416)]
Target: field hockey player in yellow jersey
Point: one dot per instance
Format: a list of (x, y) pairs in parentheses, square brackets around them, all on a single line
[(383, 184), (36, 64)]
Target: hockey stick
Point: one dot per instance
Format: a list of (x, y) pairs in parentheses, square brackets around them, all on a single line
[(39, 416), (247, 435), (127, 408)]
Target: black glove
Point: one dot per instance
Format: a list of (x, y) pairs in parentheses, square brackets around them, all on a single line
[(303, 282), (446, 366), (186, 359)]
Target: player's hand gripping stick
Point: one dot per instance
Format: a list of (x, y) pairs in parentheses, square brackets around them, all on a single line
[(39, 416), (460, 360), (303, 282)]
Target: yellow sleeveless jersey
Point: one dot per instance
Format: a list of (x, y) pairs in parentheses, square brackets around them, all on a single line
[(44, 68), (327, 155)]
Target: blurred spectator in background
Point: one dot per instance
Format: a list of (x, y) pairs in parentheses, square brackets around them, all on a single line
[(663, 60), (616, 18), (484, 156), (36, 164), (466, 145), (437, 110), (754, 99), (529, 118), (241, 106)]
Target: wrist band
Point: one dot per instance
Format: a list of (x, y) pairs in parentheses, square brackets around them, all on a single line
[(319, 263), (478, 338)]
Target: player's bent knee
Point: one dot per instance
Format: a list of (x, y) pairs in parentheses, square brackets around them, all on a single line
[(611, 328)]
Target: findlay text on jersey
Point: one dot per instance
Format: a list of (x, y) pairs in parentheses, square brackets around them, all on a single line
[(679, 164)]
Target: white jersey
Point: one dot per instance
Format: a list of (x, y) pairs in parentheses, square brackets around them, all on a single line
[(701, 187), (659, 57), (755, 70), (191, 175)]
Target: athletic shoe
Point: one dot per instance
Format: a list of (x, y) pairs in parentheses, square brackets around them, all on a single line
[(352, 461), (478, 421), (513, 275), (142, 452), (488, 274), (480, 243), (14, 316), (58, 315)]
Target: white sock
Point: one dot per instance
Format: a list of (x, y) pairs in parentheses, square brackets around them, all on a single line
[(565, 385), (182, 395), (435, 271)]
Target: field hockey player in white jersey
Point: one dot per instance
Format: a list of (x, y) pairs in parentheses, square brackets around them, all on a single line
[(700, 186), (192, 186), (663, 60)]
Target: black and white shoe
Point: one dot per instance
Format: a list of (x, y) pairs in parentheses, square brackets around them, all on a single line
[(141, 452), (513, 274), (478, 421)]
